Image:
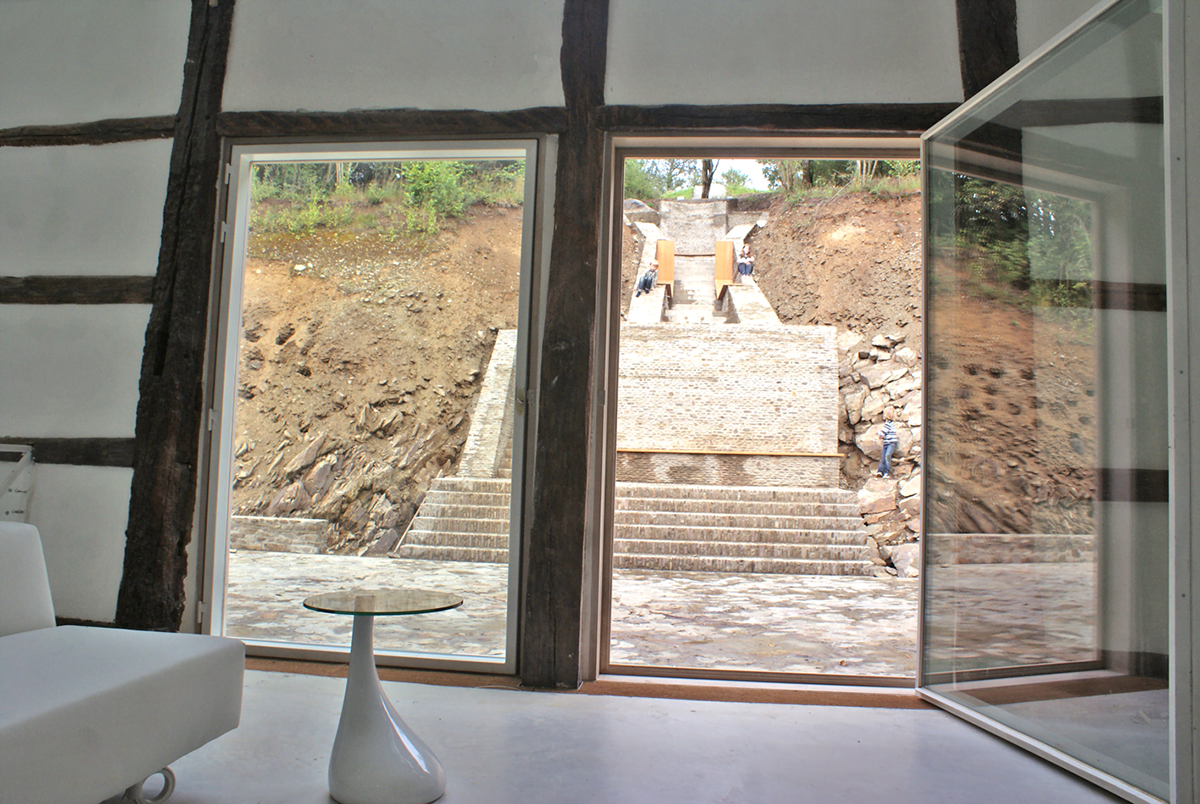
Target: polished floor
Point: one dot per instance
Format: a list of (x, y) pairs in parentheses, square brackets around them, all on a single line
[(504, 745)]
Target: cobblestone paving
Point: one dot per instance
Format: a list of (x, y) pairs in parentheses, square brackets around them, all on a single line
[(792, 623)]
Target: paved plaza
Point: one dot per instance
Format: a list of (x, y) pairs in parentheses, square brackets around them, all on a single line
[(795, 623), (983, 615)]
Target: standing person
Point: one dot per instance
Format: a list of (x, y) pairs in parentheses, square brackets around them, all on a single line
[(889, 438), (745, 263)]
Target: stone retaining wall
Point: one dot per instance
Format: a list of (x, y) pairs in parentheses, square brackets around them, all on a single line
[(727, 470), (945, 549), (280, 534)]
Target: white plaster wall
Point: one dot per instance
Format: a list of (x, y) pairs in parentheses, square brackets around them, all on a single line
[(91, 59), (379, 54), (766, 51), (1039, 21), (82, 512), (70, 371), (1128, 64), (83, 210)]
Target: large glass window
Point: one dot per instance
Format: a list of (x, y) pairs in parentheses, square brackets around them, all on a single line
[(1046, 524), (375, 307)]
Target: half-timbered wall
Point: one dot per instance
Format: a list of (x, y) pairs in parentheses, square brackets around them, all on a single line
[(106, 120)]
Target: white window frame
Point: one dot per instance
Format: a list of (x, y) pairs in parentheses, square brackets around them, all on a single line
[(214, 505)]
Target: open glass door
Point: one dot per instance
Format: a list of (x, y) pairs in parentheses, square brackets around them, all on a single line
[(371, 355), (1046, 536)]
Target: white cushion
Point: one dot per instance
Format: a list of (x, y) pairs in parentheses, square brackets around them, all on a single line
[(87, 712), (25, 602)]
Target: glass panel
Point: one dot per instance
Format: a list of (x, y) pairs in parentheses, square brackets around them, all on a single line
[(1045, 590), (373, 416)]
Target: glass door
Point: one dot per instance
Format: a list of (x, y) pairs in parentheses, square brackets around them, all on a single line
[(1046, 531), (375, 308)]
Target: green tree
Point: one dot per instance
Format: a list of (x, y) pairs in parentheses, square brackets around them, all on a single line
[(640, 183), (735, 181)]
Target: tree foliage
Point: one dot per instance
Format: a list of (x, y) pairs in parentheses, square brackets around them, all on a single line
[(1034, 243)]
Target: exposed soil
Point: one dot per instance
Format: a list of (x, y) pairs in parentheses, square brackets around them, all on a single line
[(362, 354), (852, 260), (372, 348)]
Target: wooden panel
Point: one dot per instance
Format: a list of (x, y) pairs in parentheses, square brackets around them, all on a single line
[(166, 461), (723, 268), (665, 254)]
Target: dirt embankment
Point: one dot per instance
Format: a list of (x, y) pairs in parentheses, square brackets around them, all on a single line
[(360, 356), (852, 261)]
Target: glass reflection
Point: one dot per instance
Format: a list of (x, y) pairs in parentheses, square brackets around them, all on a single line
[(1046, 528)]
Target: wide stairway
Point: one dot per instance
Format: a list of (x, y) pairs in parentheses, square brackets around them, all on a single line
[(664, 527)]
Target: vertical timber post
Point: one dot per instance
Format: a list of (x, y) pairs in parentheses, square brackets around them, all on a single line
[(551, 599), (169, 412)]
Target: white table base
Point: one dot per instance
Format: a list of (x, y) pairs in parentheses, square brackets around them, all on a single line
[(376, 758)]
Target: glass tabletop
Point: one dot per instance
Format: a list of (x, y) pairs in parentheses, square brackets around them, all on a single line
[(383, 601)]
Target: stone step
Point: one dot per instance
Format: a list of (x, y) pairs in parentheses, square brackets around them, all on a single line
[(665, 527), (456, 510), (455, 539), (442, 524), (495, 485), (736, 507), (438, 553), (629, 539), (710, 549), (842, 536), (436, 496), (741, 565), (785, 494)]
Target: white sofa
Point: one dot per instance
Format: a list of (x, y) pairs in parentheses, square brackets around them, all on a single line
[(87, 713)]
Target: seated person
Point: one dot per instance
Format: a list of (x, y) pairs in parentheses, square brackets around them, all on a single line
[(649, 278), (745, 262)]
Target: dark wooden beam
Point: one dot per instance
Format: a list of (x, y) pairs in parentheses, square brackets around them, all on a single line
[(552, 588), (1132, 485), (75, 289), (1082, 112), (78, 451), (99, 132), (392, 123), (832, 119), (987, 41), (169, 412)]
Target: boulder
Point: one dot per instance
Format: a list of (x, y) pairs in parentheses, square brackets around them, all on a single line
[(878, 375), (848, 341), (877, 496), (854, 402), (905, 558), (911, 487)]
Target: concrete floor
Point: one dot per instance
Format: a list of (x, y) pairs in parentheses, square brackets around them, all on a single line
[(502, 746)]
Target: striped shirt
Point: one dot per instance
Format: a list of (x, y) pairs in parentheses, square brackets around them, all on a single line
[(888, 434)]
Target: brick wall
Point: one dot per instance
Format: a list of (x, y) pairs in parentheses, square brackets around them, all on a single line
[(727, 470), (744, 389)]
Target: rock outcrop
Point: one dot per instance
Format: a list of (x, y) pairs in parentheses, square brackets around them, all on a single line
[(878, 375)]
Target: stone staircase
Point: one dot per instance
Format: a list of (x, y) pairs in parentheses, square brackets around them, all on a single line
[(693, 293), (664, 527)]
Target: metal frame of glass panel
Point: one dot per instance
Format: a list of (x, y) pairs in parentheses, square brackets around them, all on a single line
[(1016, 96), (215, 489)]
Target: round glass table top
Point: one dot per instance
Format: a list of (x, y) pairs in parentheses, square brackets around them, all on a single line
[(383, 601)]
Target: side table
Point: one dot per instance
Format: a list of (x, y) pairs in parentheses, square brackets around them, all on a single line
[(376, 757)]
